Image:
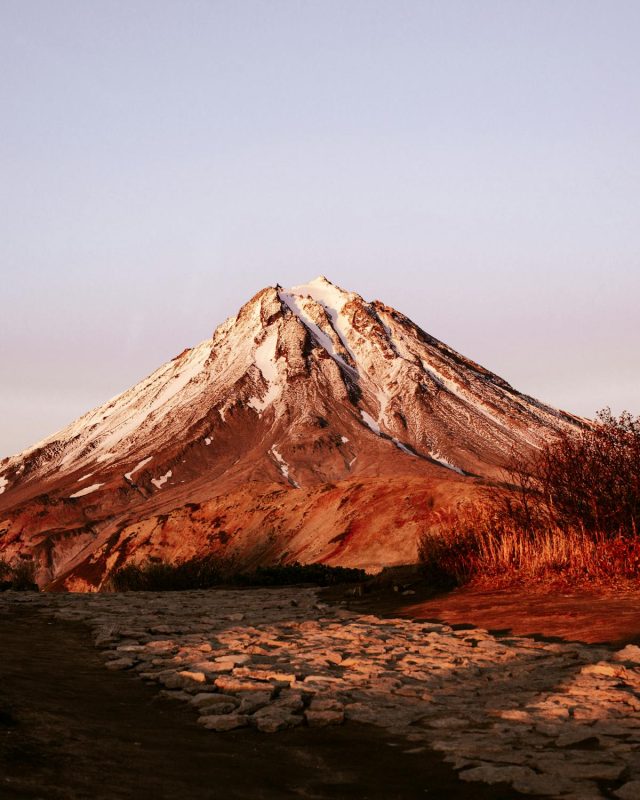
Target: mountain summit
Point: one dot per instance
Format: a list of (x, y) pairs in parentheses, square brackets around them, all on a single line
[(313, 425)]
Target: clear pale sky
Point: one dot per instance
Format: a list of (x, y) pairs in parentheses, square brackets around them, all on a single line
[(474, 164)]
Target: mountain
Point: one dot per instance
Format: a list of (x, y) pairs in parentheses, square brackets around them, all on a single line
[(313, 425)]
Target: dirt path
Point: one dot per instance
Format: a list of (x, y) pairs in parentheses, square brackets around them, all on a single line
[(71, 729)]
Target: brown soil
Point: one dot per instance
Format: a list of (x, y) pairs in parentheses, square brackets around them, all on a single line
[(70, 729), (591, 616)]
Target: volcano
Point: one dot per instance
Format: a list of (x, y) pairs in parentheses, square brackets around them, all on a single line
[(312, 426)]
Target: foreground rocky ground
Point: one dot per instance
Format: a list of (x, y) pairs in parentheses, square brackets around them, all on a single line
[(550, 719)]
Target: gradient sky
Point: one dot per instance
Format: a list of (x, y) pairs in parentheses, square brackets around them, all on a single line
[(474, 164)]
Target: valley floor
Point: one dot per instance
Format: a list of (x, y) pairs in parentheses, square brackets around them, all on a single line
[(363, 706)]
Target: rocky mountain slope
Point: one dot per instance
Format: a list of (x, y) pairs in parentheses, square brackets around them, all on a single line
[(313, 425)]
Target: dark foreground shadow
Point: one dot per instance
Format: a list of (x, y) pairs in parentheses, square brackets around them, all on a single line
[(70, 729)]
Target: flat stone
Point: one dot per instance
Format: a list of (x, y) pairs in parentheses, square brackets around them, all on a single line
[(231, 684), (326, 704), (584, 791), (120, 663), (130, 648), (593, 771), (183, 679), (215, 703), (574, 736), (270, 719), (543, 785), (252, 701), (630, 654), (268, 674), (234, 658), (603, 669), (224, 722), (214, 667), (172, 694), (290, 699), (320, 719), (514, 714), (447, 723), (161, 645), (488, 773), (629, 791)]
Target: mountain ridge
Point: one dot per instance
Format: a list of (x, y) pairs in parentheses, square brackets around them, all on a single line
[(303, 387)]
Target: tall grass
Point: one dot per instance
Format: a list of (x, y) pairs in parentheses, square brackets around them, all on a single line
[(474, 547), (571, 515)]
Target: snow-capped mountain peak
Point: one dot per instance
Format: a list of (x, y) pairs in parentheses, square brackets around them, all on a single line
[(303, 387)]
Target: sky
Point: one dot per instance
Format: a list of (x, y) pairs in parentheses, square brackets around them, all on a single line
[(475, 165)]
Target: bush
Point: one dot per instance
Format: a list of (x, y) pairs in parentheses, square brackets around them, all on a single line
[(18, 577), (201, 572), (290, 574), (589, 480), (204, 572), (572, 514)]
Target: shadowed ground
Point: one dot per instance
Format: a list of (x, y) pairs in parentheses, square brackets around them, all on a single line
[(69, 728)]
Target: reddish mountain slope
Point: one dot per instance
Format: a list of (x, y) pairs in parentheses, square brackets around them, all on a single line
[(312, 426)]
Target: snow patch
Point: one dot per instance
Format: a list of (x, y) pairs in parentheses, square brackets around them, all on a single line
[(344, 439), (86, 490), (445, 463), (265, 360), (110, 428), (402, 447), (84, 477), (160, 482), (323, 339), (283, 466), (385, 394), (3, 484), (370, 421), (138, 466), (208, 440), (324, 292), (333, 300)]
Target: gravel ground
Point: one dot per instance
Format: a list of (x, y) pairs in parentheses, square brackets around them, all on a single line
[(547, 719)]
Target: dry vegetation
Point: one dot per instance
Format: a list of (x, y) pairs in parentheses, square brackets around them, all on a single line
[(17, 577), (205, 572), (571, 515)]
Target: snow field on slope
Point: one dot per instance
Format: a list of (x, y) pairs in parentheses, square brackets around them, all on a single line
[(370, 422), (295, 303), (283, 466), (87, 490), (265, 360), (333, 300), (138, 466), (160, 482)]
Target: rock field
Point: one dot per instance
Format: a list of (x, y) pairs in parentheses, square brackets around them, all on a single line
[(551, 719)]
